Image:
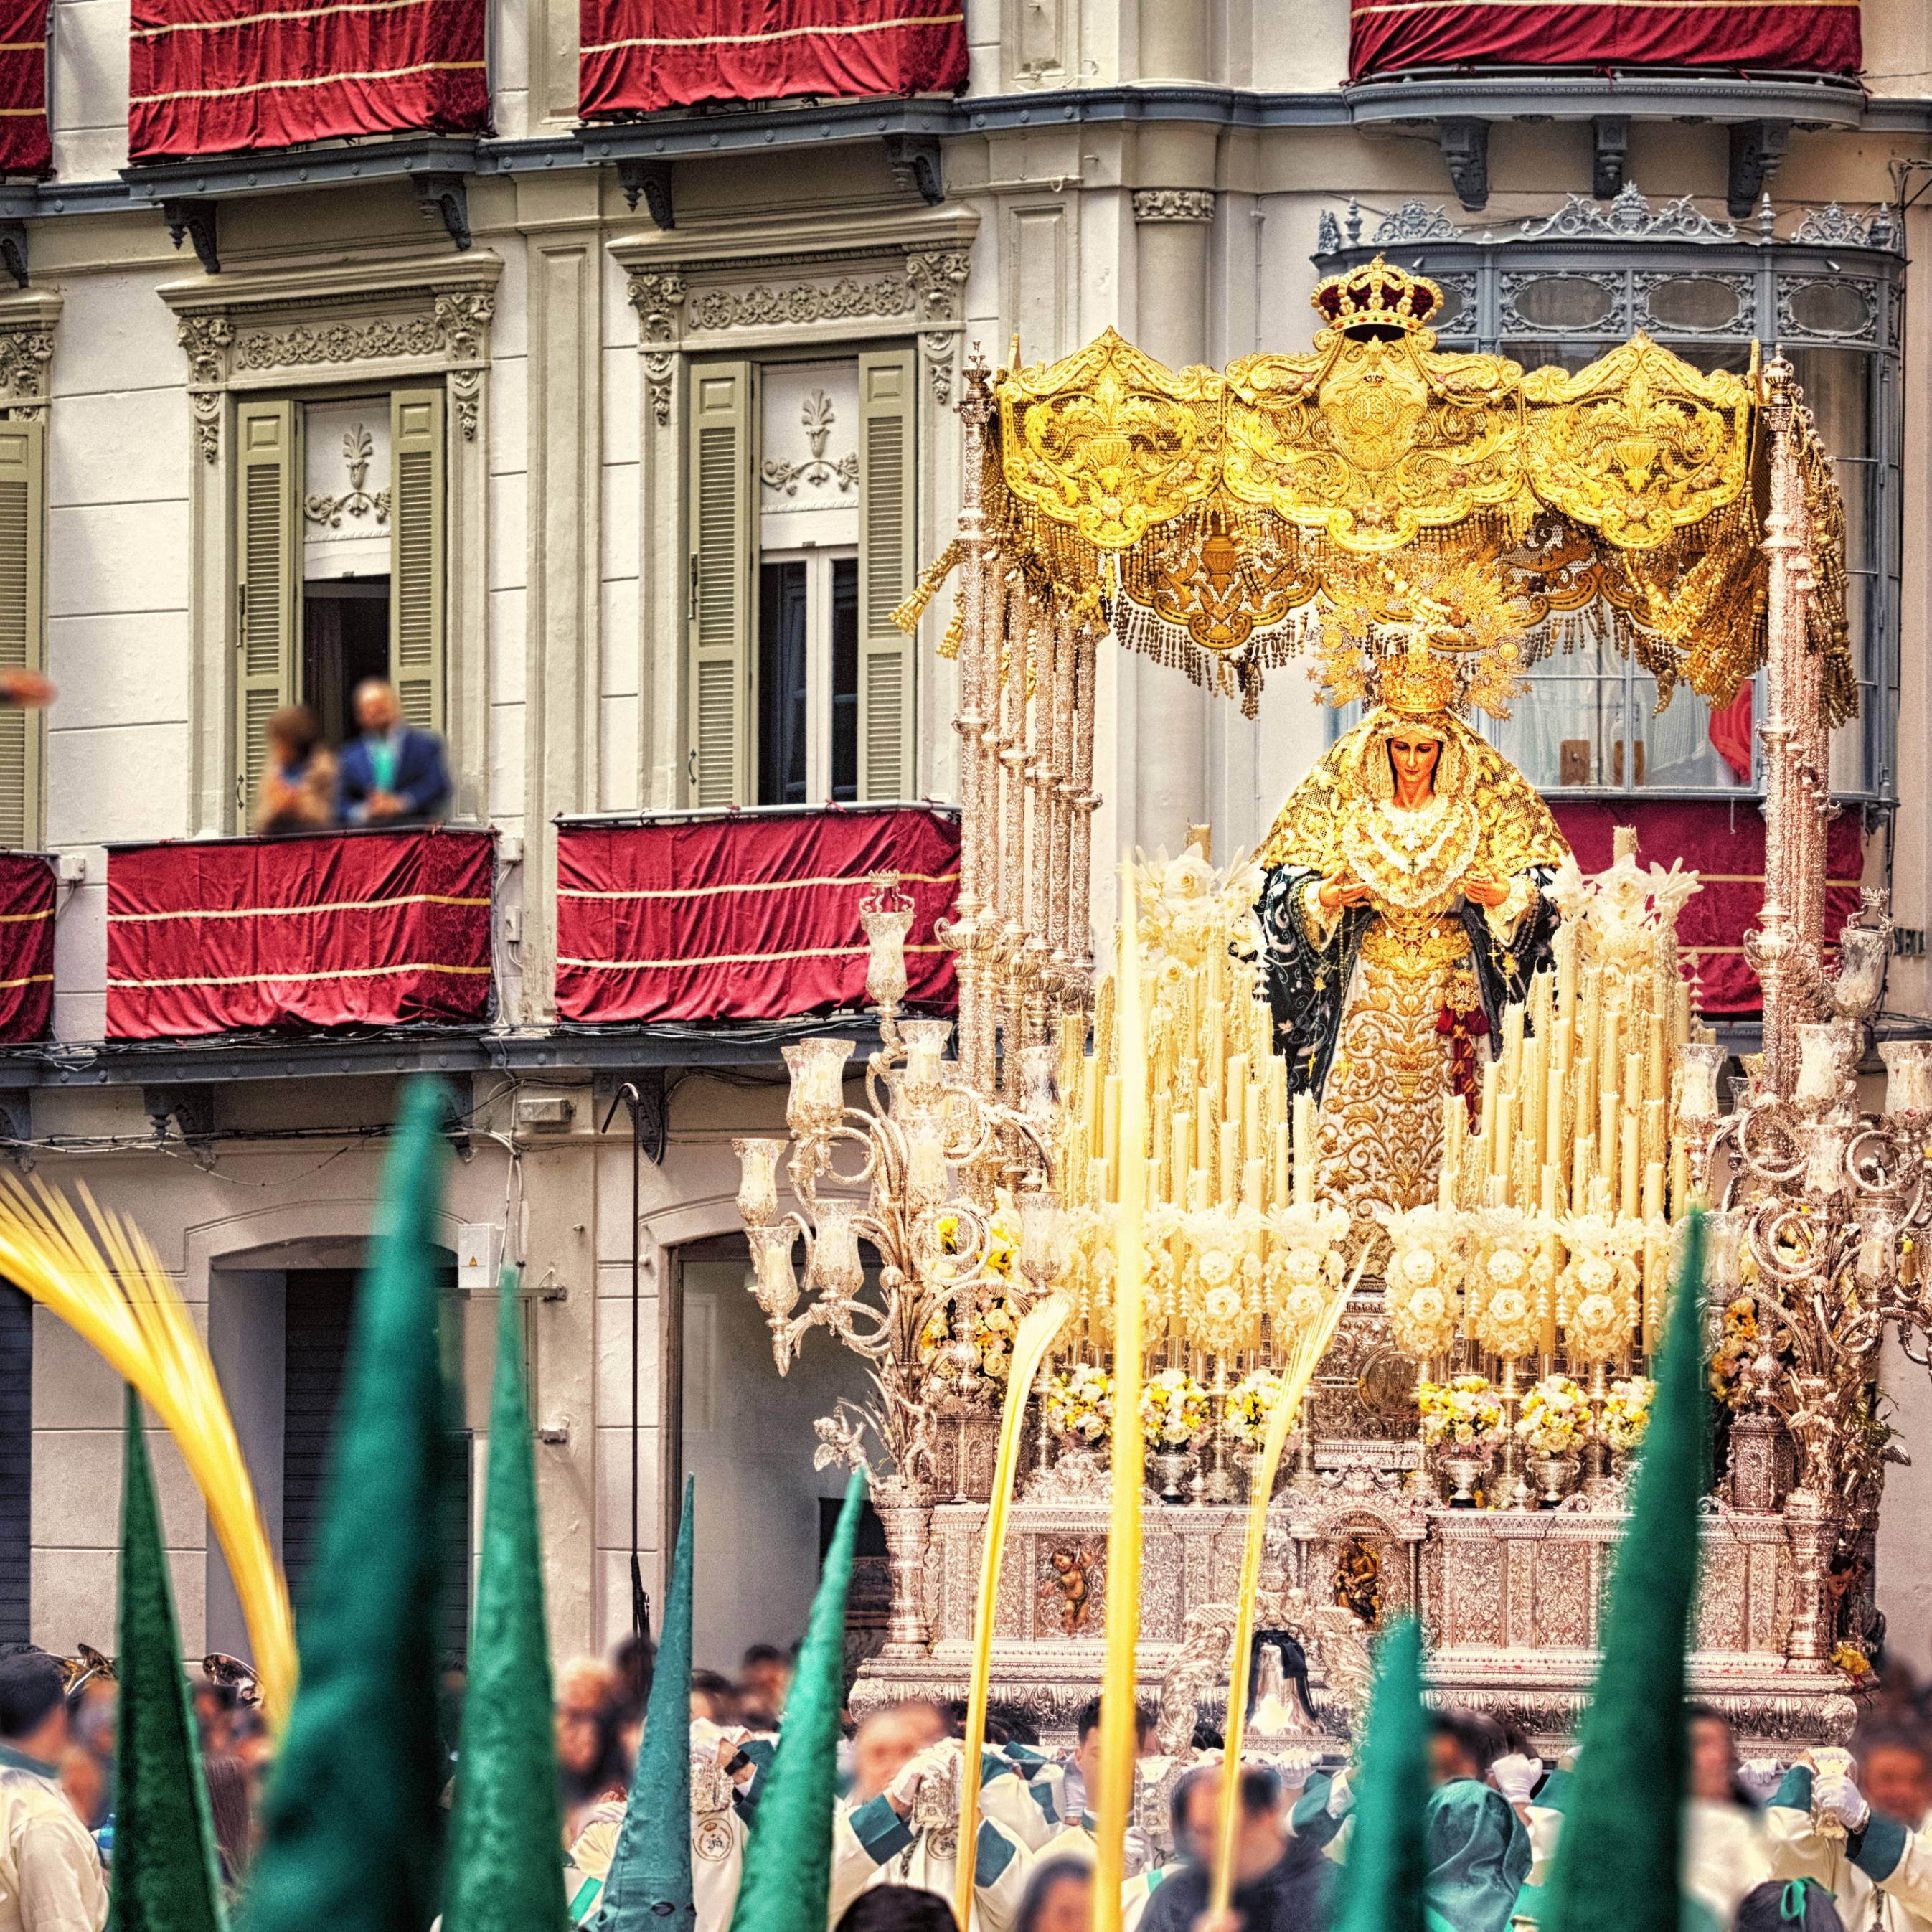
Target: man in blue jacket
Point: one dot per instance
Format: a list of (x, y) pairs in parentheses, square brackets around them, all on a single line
[(392, 774)]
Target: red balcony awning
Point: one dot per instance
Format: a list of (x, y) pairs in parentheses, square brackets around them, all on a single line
[(27, 892), (638, 56), (25, 148), (1392, 37), (1724, 844), (361, 928), (747, 916), (226, 76)]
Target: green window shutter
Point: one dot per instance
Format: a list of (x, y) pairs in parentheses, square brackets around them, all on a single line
[(22, 624), (268, 547), (888, 532), (417, 497), (723, 537)]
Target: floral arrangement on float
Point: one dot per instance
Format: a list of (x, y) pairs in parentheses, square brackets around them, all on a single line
[(1174, 1410), (1080, 1404), (995, 1326), (1461, 1420), (1737, 1343), (1461, 1414), (1556, 1417), (1250, 1405), (1626, 1419)]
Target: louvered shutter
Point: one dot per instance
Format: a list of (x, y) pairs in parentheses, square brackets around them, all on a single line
[(887, 534), (267, 544), (721, 510), (23, 627), (416, 508)]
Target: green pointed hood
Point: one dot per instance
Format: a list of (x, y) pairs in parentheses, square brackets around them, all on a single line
[(1620, 1854), (165, 1878), (353, 1823), (788, 1883), (649, 1885), (1388, 1858), (504, 1872)]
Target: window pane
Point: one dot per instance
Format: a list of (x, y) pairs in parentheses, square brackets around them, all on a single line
[(1693, 302), (1564, 731), (845, 678), (781, 683), (345, 640), (1564, 302), (1837, 384), (1687, 746)]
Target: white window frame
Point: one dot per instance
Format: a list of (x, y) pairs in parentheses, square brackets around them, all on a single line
[(818, 560)]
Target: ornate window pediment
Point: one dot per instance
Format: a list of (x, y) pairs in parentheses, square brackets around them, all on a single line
[(382, 320)]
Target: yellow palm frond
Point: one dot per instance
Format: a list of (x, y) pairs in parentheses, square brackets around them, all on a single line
[(99, 1273)]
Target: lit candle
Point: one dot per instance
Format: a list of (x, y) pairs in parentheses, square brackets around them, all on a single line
[(1606, 1134), (1582, 1164), (1304, 1147), (1110, 1131), (1629, 1147), (1283, 1167), (1505, 1141)]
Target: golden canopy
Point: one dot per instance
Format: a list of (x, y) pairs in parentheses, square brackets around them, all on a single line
[(1213, 517)]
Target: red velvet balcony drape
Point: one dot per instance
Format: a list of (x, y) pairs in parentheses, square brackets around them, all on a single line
[(744, 918), (1392, 37), (638, 56), (1724, 844), (27, 895), (223, 76), (24, 146), (378, 928)]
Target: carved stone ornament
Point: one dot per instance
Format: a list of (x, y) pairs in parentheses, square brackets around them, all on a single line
[(926, 287), (818, 471), (1174, 204), (658, 298), (450, 336), (358, 452), (25, 356)]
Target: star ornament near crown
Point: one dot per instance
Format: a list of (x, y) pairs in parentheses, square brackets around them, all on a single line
[(1377, 299)]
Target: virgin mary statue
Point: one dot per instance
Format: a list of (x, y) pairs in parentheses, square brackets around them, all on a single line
[(1402, 908)]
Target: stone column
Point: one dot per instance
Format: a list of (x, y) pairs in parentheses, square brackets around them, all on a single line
[(1168, 754)]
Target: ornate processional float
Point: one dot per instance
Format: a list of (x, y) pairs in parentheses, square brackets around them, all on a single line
[(1408, 1046)]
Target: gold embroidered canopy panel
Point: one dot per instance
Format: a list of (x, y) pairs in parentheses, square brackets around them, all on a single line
[(1218, 519)]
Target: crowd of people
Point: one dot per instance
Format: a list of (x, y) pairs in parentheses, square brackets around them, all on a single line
[(389, 773), (1855, 1844)]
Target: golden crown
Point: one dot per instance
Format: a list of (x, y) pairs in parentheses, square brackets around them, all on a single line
[(1418, 683), (1377, 297)]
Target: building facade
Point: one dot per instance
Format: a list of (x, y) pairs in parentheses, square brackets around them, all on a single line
[(615, 442)]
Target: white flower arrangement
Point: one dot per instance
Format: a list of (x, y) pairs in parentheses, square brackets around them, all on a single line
[(995, 1328), (1555, 1417), (1080, 1404), (1463, 1413), (1174, 1409), (1423, 1279), (1627, 1413), (1250, 1407)]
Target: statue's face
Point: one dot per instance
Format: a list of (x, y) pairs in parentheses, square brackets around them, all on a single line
[(1413, 755)]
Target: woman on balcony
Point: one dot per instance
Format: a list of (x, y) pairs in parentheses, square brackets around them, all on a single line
[(297, 788)]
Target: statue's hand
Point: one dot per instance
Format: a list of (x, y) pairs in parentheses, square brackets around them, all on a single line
[(1341, 889), (1485, 888)]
